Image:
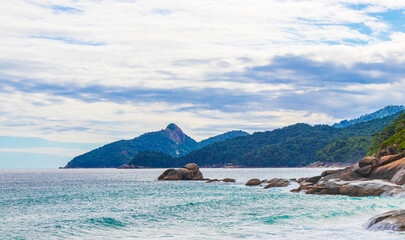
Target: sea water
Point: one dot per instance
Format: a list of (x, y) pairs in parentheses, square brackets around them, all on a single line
[(132, 204)]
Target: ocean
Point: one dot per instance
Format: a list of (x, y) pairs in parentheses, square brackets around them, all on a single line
[(132, 204)]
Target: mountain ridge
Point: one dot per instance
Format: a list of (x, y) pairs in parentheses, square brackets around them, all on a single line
[(171, 140), (381, 113)]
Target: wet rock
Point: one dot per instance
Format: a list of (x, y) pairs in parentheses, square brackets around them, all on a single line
[(277, 182), (228, 180), (392, 220), (253, 182), (212, 180), (190, 171)]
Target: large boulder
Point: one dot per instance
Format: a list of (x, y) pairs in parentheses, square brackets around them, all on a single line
[(189, 172), (392, 220), (253, 182)]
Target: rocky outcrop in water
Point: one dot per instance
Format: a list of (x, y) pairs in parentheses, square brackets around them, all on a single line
[(221, 180), (393, 220), (277, 182), (189, 171), (371, 176), (253, 182)]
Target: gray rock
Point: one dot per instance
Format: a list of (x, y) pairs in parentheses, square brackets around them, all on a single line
[(392, 220)]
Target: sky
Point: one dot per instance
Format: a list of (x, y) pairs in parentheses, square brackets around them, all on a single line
[(77, 74)]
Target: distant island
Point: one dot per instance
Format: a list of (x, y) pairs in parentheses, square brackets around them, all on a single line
[(297, 145)]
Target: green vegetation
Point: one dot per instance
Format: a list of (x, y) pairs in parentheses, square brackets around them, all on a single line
[(223, 137), (292, 146), (387, 111), (392, 134), (347, 150), (120, 152), (152, 159), (171, 141)]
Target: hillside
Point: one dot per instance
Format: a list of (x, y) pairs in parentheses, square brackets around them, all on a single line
[(222, 137), (392, 134), (171, 141), (384, 112), (296, 145), (353, 142)]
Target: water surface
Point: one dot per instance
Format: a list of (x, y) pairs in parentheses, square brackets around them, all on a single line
[(132, 204)]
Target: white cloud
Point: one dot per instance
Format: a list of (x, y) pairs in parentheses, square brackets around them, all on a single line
[(176, 44), (48, 151)]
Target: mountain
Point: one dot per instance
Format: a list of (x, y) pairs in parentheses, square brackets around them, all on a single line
[(386, 111), (223, 137), (353, 142), (171, 141), (392, 134), (292, 146)]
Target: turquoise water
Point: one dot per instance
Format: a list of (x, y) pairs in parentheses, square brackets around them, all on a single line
[(131, 204)]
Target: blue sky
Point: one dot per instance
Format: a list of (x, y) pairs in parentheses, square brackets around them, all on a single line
[(78, 74)]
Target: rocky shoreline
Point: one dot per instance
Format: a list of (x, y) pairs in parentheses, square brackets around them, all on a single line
[(379, 175)]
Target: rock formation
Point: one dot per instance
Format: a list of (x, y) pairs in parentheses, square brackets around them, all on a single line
[(392, 220), (253, 182), (189, 172), (277, 182), (383, 174)]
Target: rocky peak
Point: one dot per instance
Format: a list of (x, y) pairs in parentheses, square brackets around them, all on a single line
[(175, 133)]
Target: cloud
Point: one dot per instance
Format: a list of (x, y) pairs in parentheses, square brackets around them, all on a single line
[(98, 71)]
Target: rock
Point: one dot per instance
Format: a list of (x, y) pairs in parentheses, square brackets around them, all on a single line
[(126, 166), (392, 220), (314, 179), (192, 167), (390, 158), (391, 150), (319, 164), (189, 172), (368, 161), (228, 180), (387, 171), (212, 180), (329, 172), (364, 171), (253, 182), (277, 182), (399, 177)]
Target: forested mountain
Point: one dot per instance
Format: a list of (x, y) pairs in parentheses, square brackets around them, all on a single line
[(392, 134), (354, 141), (223, 137), (295, 145), (171, 141), (387, 111)]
